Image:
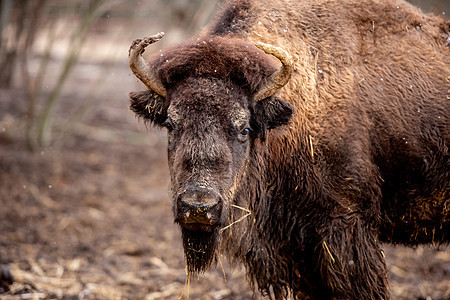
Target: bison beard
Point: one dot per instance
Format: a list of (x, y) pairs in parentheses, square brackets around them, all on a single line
[(199, 248)]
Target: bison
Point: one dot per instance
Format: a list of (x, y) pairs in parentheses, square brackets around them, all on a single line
[(301, 136)]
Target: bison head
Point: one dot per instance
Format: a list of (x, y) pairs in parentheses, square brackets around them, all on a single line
[(214, 97)]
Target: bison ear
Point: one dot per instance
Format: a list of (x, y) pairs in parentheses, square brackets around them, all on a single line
[(271, 113), (149, 105)]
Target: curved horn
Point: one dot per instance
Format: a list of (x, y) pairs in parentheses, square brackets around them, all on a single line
[(280, 77), (140, 67)]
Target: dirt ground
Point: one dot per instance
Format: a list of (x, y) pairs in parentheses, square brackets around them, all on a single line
[(90, 218)]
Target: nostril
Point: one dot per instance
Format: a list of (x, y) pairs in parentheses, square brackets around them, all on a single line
[(199, 209), (198, 206)]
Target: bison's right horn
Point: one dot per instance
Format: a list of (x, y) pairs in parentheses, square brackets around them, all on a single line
[(280, 77), (140, 67)]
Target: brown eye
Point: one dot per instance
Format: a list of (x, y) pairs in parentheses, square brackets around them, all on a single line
[(243, 134), (168, 124)]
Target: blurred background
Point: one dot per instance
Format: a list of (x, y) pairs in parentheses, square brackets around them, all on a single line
[(84, 210)]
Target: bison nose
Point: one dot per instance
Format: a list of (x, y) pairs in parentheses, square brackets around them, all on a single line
[(193, 205), (199, 209)]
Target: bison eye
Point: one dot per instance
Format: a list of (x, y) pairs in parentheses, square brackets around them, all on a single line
[(244, 134), (168, 124)]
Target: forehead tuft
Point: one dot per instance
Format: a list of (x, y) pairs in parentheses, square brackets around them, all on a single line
[(239, 116), (207, 99), (219, 57)]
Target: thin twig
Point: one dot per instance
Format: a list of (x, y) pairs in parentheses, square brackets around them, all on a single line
[(239, 220), (223, 271), (311, 145), (189, 285), (328, 250), (185, 282), (241, 208)]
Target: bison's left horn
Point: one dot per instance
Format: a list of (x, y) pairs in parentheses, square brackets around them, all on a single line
[(140, 67), (280, 77)]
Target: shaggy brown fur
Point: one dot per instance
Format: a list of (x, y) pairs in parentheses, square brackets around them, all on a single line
[(237, 60), (363, 160)]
